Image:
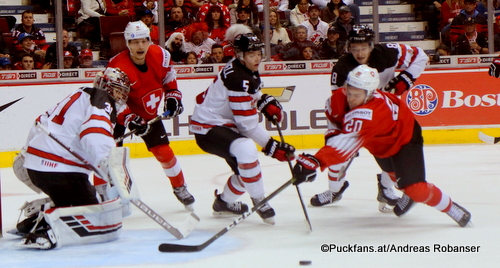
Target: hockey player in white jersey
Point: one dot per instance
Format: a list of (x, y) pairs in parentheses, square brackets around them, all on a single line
[(84, 122), (386, 58), (226, 123)]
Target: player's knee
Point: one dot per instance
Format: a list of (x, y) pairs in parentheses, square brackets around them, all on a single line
[(419, 192), (163, 153), (244, 150)]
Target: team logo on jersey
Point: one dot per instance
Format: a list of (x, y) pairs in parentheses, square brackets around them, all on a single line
[(422, 100), (151, 101)]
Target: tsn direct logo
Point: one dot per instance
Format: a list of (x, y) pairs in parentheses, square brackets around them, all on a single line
[(423, 100)]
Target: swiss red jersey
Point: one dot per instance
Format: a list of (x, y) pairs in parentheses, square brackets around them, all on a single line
[(382, 125), (147, 86)]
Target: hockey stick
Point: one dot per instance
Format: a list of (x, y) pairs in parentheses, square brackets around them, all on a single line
[(276, 123), (488, 139), (165, 115), (166, 247), (5, 106), (190, 222)]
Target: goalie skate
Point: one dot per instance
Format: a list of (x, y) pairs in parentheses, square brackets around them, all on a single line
[(328, 197), (266, 212), (386, 197), (222, 208), (459, 214), (45, 240), (184, 197)]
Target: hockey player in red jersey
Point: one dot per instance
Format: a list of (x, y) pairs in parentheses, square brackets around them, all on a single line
[(385, 126), (84, 122), (386, 58), (226, 123), (152, 77)]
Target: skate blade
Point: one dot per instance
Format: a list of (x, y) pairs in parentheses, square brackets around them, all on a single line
[(15, 232), (382, 207), (189, 207), (225, 214), (269, 221)]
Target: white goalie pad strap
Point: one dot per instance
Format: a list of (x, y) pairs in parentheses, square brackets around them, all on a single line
[(86, 224), (33, 207), (120, 176), (22, 173)]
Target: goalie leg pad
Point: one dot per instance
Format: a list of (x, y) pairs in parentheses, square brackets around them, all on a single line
[(120, 176), (86, 224), (22, 173)]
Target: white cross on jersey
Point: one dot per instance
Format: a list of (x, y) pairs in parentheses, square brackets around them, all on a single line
[(153, 100)]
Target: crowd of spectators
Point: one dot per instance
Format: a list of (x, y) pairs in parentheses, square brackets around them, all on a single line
[(195, 29)]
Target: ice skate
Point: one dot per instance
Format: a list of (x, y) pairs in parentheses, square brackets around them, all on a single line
[(386, 197), (328, 197), (404, 204), (459, 214), (184, 197), (45, 240), (222, 208), (266, 212)]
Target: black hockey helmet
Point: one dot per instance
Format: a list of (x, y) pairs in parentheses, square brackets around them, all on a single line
[(247, 42), (361, 34)]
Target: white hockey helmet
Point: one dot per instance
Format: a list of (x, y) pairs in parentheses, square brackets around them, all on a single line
[(364, 77), (115, 82), (136, 30)]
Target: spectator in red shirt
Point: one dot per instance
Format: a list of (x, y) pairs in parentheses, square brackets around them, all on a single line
[(120, 8), (216, 25), (202, 13)]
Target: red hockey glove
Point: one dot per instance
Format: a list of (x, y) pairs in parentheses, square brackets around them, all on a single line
[(305, 169), (495, 68), (401, 83), (137, 124), (279, 150), (173, 103), (270, 108)]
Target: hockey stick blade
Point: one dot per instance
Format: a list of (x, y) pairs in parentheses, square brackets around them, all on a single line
[(488, 139), (190, 223), (7, 105), (166, 247)]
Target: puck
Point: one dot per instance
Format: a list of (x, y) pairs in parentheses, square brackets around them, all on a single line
[(305, 262)]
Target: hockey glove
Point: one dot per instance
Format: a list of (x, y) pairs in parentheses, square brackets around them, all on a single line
[(305, 169), (173, 103), (137, 124), (495, 68), (270, 108), (279, 150), (400, 83)]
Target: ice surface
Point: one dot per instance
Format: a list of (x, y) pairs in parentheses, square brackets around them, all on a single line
[(468, 173)]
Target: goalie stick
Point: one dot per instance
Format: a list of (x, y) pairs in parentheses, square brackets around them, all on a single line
[(179, 233), (165, 115), (308, 221), (488, 139), (166, 247)]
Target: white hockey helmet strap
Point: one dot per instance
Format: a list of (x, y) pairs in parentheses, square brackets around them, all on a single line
[(364, 77)]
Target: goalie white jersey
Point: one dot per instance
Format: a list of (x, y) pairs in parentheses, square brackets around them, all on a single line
[(230, 101), (84, 121)]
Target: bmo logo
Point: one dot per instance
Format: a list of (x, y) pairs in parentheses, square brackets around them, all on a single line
[(422, 100)]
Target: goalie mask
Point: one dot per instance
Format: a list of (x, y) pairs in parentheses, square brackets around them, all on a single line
[(364, 77), (115, 82)]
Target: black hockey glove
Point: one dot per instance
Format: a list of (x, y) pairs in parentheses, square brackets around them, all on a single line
[(495, 68), (400, 83), (137, 124), (305, 169), (279, 150), (173, 103), (270, 108)]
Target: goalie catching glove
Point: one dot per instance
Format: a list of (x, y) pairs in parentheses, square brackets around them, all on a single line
[(495, 68), (137, 124), (173, 103), (270, 108), (279, 150), (305, 169), (400, 83)]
